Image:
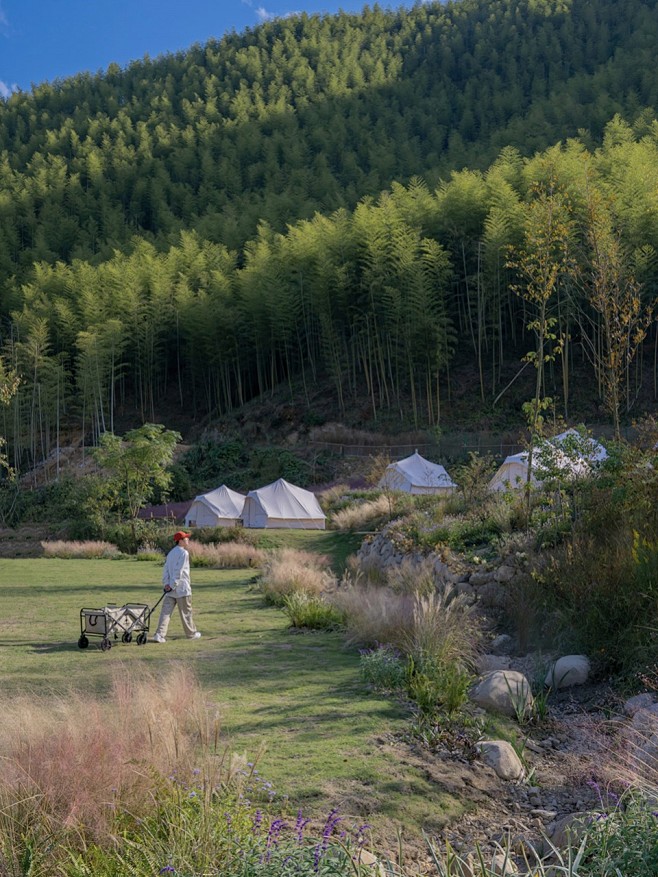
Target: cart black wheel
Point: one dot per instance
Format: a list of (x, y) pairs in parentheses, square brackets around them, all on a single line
[(106, 644), (83, 642), (141, 639), (127, 637)]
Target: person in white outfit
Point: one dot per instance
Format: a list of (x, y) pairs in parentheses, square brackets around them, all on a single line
[(178, 590)]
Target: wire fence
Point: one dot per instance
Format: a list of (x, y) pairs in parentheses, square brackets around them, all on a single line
[(452, 447), (445, 448)]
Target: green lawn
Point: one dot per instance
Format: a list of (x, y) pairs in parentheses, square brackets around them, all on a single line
[(328, 740)]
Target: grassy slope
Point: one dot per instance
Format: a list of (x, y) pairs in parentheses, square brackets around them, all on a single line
[(326, 737)]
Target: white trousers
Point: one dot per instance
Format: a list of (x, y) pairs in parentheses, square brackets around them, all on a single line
[(185, 610)]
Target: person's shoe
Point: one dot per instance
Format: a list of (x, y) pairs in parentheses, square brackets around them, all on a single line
[(158, 639), (197, 635)]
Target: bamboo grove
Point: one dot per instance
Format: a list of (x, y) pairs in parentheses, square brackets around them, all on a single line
[(290, 205), (378, 301)]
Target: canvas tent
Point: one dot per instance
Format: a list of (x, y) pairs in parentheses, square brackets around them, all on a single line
[(282, 504), (571, 452), (415, 474), (219, 508)]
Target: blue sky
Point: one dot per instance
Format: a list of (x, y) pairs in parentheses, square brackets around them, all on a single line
[(42, 40)]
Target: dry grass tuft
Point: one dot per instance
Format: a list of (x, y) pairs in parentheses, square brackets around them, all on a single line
[(226, 555), (375, 615), (75, 759), (89, 549), (331, 495), (632, 761), (429, 627), (290, 571), (363, 514), (412, 577)]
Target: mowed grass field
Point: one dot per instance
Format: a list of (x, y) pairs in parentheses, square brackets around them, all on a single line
[(293, 701)]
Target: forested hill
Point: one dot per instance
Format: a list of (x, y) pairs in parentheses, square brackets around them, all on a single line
[(308, 113), (282, 207)]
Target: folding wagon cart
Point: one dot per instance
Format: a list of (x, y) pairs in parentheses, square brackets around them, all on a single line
[(113, 622)]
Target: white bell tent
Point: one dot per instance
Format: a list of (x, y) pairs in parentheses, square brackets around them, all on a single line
[(219, 508), (573, 453), (417, 475), (283, 505)]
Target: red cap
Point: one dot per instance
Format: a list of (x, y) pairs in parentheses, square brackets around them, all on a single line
[(180, 535)]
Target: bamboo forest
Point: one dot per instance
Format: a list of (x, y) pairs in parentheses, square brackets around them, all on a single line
[(375, 202)]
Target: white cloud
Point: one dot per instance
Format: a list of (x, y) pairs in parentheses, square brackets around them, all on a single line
[(7, 90), (4, 21)]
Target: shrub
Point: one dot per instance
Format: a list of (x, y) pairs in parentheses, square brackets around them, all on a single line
[(366, 571), (441, 687), (334, 498), (607, 595), (310, 611), (88, 549), (473, 478), (130, 537), (443, 631), (622, 839)]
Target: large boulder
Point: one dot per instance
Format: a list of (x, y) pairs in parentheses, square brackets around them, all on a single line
[(500, 755), (504, 691), (567, 671), (638, 702)]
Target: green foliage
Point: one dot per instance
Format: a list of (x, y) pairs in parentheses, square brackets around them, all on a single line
[(211, 462), (178, 489), (622, 839), (417, 533), (233, 462), (136, 465), (384, 668), (474, 476), (606, 593), (311, 611), (437, 686), (269, 464), (215, 535), (130, 537)]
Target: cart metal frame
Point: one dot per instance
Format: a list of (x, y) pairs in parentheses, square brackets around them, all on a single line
[(113, 622)]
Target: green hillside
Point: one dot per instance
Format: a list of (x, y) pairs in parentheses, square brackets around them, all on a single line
[(289, 206)]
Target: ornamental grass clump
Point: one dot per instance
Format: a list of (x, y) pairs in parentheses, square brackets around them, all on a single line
[(71, 763), (363, 515), (412, 577), (149, 551), (383, 667), (374, 615), (226, 555), (436, 636), (287, 571), (311, 612), (442, 643), (83, 549)]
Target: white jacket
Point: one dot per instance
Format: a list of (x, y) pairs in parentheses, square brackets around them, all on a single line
[(176, 572)]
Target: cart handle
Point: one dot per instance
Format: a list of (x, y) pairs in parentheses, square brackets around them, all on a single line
[(162, 596)]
